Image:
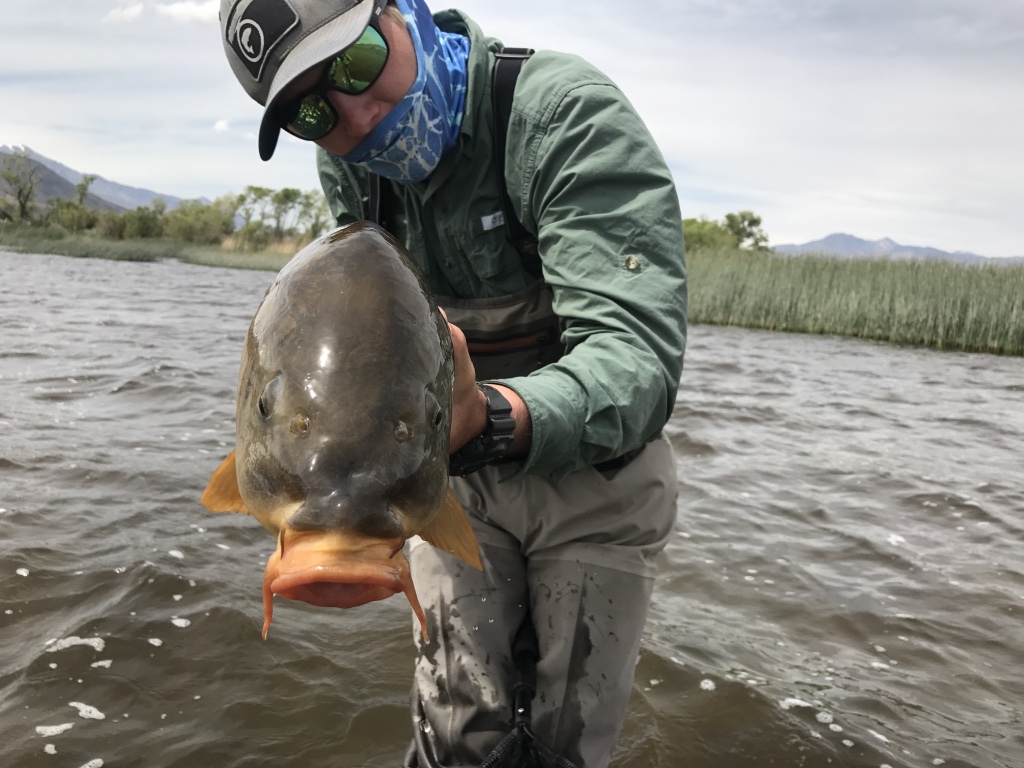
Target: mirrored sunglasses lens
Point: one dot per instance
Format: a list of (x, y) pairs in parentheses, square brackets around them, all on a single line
[(359, 65), (314, 118)]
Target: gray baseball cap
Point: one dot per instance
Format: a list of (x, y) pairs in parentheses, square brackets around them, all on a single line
[(269, 43)]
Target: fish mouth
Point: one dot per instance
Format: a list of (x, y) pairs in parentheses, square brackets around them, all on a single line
[(337, 570)]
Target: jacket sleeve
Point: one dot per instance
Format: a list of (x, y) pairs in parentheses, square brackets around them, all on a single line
[(589, 179)]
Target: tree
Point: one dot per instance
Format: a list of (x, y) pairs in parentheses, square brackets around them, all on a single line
[(142, 222), (72, 216), (314, 214), (282, 206), (110, 225), (196, 222), (22, 176), (704, 234), (159, 205), (745, 226), (737, 230), (254, 235), (229, 204), (251, 205), (82, 187)]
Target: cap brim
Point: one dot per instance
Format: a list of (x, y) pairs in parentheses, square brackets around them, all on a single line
[(315, 48)]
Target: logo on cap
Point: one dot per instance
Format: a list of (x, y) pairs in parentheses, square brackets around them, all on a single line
[(250, 40), (255, 27)]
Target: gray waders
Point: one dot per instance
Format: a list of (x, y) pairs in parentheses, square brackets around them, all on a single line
[(576, 558), (530, 662)]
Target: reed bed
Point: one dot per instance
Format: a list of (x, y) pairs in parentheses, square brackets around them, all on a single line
[(929, 303)]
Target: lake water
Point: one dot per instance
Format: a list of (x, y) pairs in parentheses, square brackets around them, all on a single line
[(845, 587)]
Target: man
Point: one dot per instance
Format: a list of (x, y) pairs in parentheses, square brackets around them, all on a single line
[(568, 481)]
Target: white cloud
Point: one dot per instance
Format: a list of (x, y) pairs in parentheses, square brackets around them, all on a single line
[(188, 10), (864, 116), (125, 15)]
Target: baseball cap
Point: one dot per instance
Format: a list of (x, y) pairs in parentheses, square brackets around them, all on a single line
[(270, 43)]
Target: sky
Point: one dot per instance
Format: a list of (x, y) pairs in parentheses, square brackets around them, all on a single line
[(878, 118)]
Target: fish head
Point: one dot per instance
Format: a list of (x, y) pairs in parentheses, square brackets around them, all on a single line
[(342, 420), (344, 398)]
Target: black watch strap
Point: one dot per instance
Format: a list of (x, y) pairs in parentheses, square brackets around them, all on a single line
[(493, 443)]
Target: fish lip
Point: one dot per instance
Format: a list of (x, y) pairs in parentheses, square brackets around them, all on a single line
[(375, 568), (371, 574)]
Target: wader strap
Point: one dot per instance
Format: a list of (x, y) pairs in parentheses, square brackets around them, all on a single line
[(521, 748), (379, 206), (525, 653), (507, 63)]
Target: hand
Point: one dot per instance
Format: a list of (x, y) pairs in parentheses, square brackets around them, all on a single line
[(469, 405)]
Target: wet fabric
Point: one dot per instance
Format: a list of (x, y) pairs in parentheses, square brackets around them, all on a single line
[(407, 145), (579, 557)]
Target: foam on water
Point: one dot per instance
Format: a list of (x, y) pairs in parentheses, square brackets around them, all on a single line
[(55, 645), (793, 702), (53, 730), (87, 712)]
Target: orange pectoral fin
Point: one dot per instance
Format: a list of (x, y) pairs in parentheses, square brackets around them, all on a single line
[(221, 494), (450, 531)]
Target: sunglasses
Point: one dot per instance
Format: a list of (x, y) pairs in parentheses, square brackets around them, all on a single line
[(311, 116)]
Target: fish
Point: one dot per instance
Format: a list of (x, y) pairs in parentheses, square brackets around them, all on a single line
[(342, 425)]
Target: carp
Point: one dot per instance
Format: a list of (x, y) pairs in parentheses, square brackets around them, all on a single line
[(342, 425)]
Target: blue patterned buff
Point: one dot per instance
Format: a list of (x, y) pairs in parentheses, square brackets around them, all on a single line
[(408, 143)]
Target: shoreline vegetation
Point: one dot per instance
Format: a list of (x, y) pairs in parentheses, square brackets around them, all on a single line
[(937, 304), (734, 278), (23, 239)]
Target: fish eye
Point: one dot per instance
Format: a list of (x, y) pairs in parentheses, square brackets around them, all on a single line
[(402, 431), (267, 401), (431, 404)]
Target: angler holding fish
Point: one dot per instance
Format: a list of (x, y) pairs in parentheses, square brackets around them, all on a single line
[(543, 219)]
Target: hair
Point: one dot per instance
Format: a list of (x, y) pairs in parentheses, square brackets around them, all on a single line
[(392, 10)]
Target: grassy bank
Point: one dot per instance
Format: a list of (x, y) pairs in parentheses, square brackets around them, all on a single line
[(935, 304), (53, 240), (929, 303)]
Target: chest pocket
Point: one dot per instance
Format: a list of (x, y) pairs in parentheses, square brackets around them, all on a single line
[(510, 335)]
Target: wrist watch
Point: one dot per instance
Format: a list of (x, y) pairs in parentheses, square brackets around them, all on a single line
[(493, 443)]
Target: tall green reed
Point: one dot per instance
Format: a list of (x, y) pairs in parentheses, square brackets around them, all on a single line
[(932, 303)]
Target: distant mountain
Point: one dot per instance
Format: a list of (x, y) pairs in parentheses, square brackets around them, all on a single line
[(51, 185), (850, 247), (121, 196)]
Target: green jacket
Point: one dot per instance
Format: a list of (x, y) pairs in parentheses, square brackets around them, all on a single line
[(585, 175)]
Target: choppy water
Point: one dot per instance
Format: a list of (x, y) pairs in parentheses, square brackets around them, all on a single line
[(846, 587)]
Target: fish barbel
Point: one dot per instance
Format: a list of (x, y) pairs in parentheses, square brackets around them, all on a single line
[(342, 425)]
